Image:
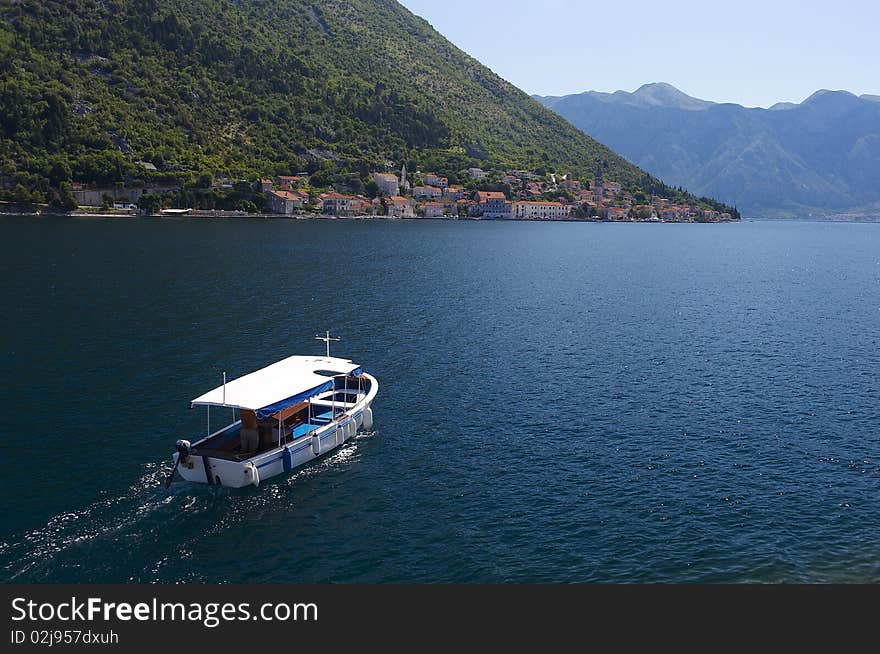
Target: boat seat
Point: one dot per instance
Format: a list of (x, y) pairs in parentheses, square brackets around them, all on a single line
[(303, 429), (290, 411)]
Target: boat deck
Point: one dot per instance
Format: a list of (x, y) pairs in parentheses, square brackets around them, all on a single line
[(296, 423)]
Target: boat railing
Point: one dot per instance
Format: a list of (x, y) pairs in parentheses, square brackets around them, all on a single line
[(219, 432), (339, 410), (227, 455)]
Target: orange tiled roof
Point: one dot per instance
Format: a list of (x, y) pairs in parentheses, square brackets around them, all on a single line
[(288, 195)]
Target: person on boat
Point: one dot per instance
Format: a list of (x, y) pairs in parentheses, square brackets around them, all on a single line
[(250, 435)]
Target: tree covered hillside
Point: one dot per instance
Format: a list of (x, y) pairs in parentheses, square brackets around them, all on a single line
[(258, 87)]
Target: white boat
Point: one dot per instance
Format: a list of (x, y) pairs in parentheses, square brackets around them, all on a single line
[(284, 416)]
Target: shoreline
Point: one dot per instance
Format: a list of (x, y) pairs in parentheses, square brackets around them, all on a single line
[(264, 216)]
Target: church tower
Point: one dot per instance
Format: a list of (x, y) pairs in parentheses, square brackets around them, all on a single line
[(404, 184)]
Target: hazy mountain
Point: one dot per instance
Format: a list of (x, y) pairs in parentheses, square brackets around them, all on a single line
[(779, 106), (650, 95), (822, 154)]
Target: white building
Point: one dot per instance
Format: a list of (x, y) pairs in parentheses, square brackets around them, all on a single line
[(498, 208), (540, 210), (612, 187), (387, 183), (336, 204), (427, 192), (477, 173), (435, 180), (400, 207), (524, 174), (453, 192), (433, 209)]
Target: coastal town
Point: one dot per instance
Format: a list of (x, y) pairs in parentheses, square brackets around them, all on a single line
[(520, 195), (483, 195)]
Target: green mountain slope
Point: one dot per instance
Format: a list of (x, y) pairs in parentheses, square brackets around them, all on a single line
[(247, 88)]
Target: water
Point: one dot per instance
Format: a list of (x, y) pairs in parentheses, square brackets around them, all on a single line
[(558, 402)]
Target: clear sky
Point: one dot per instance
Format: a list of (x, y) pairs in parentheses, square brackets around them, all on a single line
[(750, 52)]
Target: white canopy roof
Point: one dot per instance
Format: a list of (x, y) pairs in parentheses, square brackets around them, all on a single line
[(276, 383)]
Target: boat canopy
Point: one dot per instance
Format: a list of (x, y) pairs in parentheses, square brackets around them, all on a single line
[(276, 387)]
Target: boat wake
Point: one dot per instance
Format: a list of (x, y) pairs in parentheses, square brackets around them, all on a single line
[(137, 535), (28, 557)]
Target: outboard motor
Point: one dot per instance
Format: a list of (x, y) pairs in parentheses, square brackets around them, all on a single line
[(184, 448)]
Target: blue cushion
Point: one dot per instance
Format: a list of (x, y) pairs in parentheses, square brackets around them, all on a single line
[(303, 429)]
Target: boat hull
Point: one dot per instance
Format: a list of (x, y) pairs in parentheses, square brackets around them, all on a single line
[(280, 460)]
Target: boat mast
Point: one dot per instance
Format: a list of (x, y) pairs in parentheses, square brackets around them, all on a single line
[(327, 338), (224, 398)]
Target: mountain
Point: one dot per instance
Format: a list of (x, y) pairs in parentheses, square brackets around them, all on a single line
[(820, 155), (245, 88), (650, 95)]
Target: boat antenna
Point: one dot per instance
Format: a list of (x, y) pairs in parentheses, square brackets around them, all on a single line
[(327, 338)]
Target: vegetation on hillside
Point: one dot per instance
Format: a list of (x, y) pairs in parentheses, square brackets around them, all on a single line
[(243, 89)]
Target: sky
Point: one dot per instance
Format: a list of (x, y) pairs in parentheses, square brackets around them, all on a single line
[(754, 53)]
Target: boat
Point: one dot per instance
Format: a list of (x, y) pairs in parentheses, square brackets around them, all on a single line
[(283, 416)]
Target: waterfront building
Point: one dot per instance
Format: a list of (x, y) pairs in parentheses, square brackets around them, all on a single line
[(433, 209), (400, 207), (541, 210), (286, 202), (336, 204), (498, 208)]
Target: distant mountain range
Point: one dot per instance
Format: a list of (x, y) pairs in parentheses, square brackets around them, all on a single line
[(819, 156)]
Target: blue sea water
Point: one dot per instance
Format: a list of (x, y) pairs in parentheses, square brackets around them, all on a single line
[(558, 403)]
